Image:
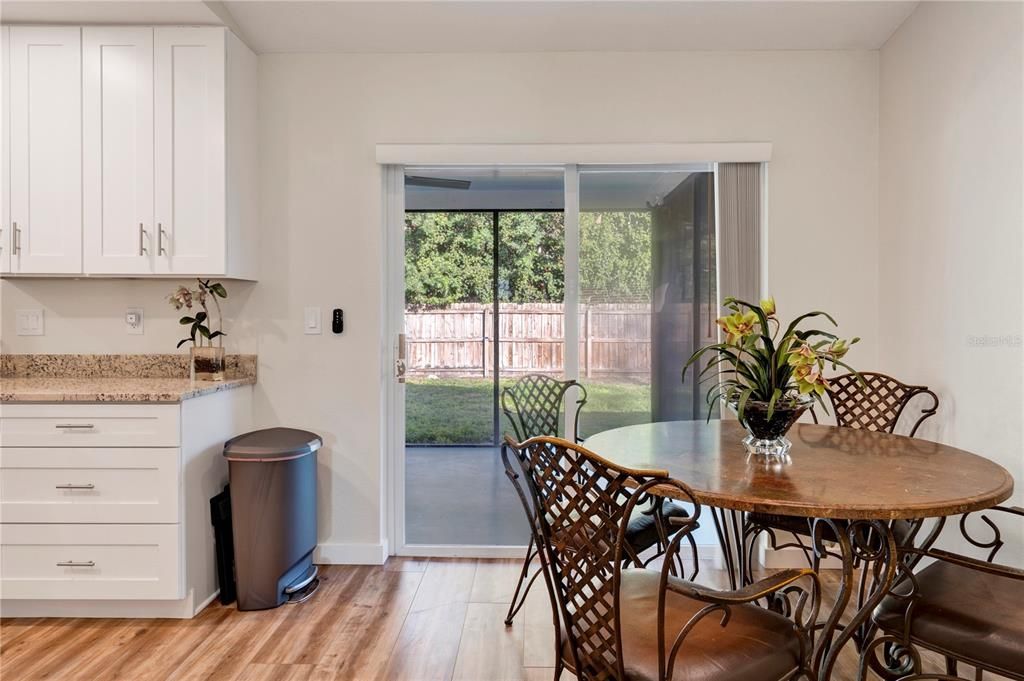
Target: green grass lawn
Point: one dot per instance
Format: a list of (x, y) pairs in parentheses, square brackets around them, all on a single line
[(459, 410)]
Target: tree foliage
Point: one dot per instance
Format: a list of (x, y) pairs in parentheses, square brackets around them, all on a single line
[(449, 257)]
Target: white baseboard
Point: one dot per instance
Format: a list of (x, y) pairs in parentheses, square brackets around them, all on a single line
[(711, 552), (351, 554), (794, 558), (460, 551), (180, 609), (206, 602)]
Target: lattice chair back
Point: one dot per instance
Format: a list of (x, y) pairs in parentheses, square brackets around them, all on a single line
[(878, 403), (583, 505), (533, 405)]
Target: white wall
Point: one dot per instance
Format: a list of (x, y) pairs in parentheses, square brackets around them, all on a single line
[(951, 220), (87, 315), (321, 116)]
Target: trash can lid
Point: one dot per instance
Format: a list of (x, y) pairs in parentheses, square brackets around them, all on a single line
[(272, 444)]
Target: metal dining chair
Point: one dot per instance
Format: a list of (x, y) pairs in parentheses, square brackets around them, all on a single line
[(869, 401), (635, 623), (965, 609), (533, 407)]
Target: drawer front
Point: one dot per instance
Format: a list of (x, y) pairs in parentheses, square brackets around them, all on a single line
[(89, 425), (91, 562), (89, 485)]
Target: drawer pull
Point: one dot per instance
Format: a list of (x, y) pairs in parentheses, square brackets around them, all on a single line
[(76, 563), (87, 485), (75, 426)]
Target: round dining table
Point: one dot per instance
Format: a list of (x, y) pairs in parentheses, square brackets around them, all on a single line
[(852, 486)]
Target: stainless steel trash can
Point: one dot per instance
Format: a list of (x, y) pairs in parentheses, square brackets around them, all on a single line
[(272, 475)]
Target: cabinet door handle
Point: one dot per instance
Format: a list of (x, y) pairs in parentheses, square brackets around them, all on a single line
[(76, 563), (70, 485), (160, 250), (142, 235), (75, 426), (17, 239)]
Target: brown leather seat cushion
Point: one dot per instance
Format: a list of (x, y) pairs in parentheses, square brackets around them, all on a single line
[(756, 644), (972, 614)]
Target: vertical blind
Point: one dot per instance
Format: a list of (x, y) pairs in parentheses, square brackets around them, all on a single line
[(739, 230)]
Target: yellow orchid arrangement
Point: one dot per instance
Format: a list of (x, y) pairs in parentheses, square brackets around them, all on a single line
[(761, 362)]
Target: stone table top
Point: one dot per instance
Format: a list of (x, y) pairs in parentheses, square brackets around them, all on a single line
[(834, 473)]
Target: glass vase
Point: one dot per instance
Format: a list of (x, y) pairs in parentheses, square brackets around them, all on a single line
[(207, 363), (766, 436)]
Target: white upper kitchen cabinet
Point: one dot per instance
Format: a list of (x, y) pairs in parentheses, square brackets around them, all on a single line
[(5, 151), (117, 120), (134, 152), (190, 150), (205, 123), (46, 150)]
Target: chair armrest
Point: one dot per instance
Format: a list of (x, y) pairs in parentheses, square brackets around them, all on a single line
[(747, 594), (968, 562)]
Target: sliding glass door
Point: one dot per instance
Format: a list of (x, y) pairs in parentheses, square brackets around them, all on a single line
[(647, 282), (484, 305), (604, 274)]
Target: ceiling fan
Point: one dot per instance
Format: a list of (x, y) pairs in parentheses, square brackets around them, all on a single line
[(436, 182)]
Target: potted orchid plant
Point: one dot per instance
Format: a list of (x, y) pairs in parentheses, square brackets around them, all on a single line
[(205, 332), (767, 374)]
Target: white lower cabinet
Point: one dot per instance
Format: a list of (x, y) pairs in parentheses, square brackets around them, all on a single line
[(105, 507), (89, 485), (91, 561)]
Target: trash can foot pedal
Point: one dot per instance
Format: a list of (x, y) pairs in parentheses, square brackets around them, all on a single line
[(301, 584), (304, 593)]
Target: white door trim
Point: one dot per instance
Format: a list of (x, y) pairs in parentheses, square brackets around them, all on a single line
[(563, 154), (393, 393), (571, 298)]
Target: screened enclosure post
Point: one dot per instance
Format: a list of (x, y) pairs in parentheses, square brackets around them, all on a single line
[(571, 321), (496, 327)]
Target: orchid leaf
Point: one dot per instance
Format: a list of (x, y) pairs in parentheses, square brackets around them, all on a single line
[(776, 394)]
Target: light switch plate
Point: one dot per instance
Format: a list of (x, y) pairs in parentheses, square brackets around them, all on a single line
[(134, 321), (311, 321), (30, 322)]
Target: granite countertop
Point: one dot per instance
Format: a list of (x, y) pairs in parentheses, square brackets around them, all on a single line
[(113, 378)]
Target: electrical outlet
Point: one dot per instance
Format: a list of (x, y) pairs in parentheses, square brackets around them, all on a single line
[(134, 321), (30, 322)]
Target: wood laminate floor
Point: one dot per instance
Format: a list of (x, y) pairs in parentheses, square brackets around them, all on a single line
[(410, 620)]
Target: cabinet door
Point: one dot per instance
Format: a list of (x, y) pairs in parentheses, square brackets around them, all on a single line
[(46, 150), (117, 155), (5, 149), (190, 166)]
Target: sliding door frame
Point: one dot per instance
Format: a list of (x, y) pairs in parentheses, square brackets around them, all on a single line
[(393, 158)]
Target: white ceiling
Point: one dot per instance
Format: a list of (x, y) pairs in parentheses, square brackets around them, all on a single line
[(505, 25), (83, 12)]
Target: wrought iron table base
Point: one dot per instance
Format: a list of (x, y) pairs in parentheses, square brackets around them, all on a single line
[(865, 544)]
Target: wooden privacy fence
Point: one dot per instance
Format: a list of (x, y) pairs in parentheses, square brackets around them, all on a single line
[(615, 339)]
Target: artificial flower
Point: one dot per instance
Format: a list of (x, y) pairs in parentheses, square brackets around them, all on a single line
[(737, 326)]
